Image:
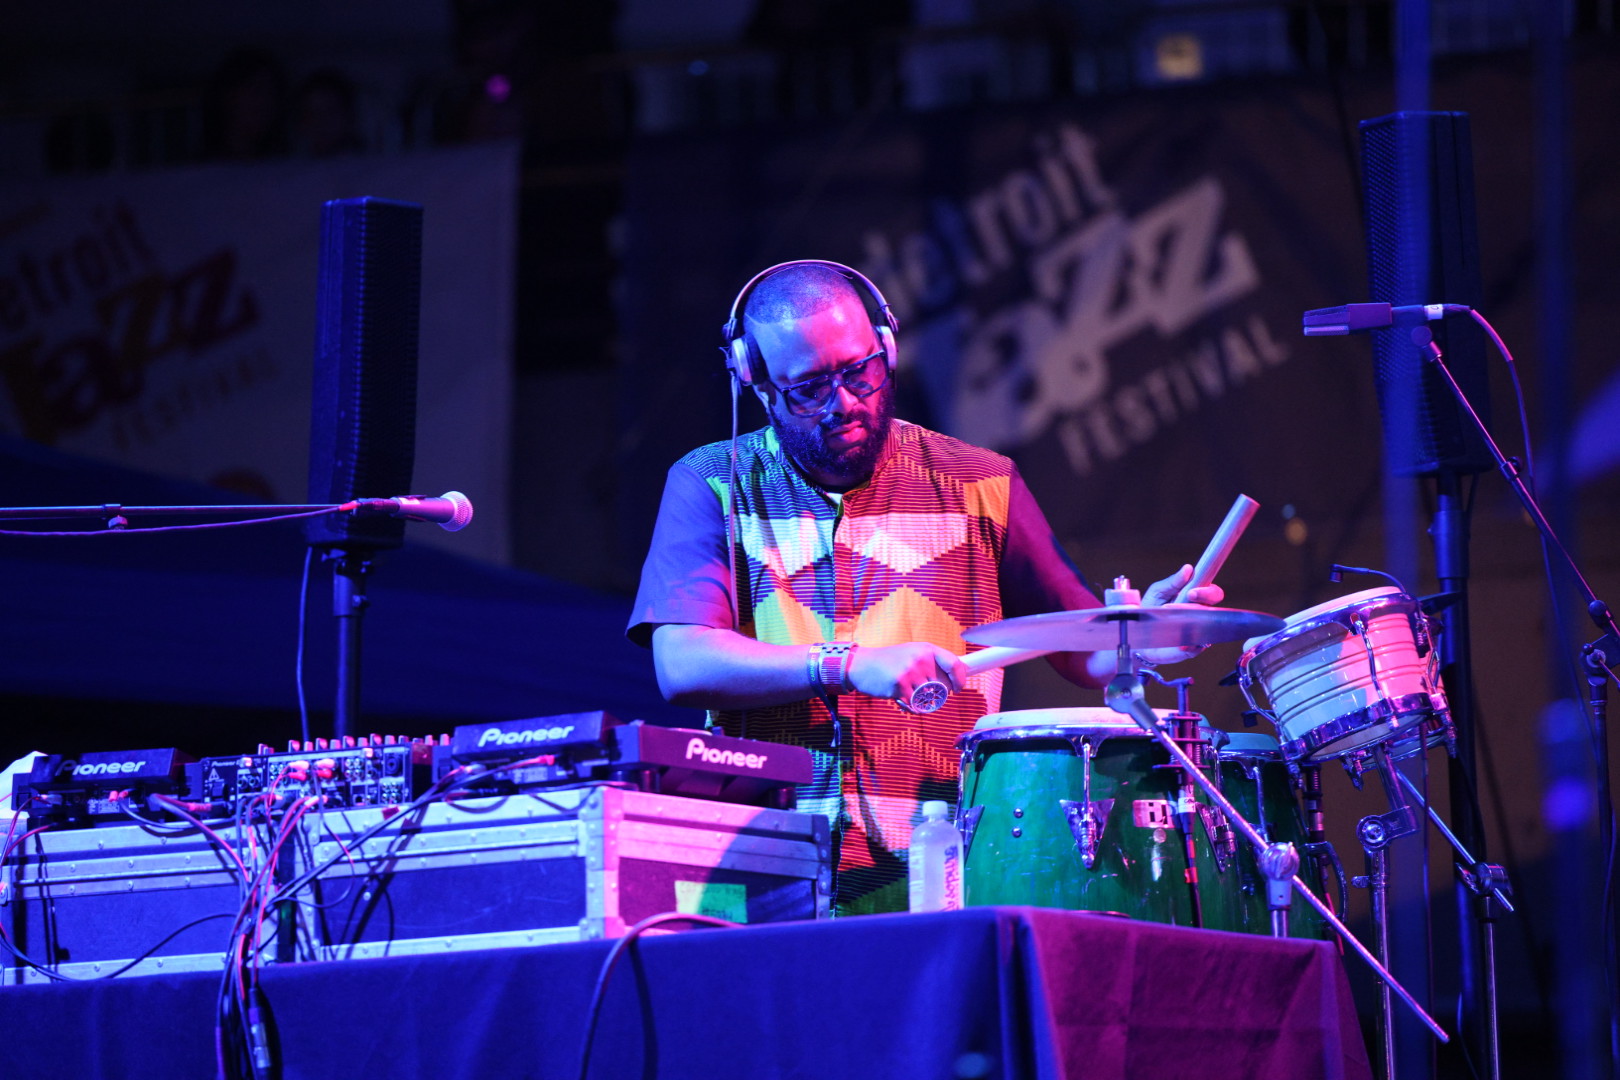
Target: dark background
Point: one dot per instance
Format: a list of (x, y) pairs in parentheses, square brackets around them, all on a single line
[(670, 150)]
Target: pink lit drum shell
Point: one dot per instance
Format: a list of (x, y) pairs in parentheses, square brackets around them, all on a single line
[(1316, 674)]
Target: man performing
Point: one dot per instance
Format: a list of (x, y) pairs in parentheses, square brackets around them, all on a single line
[(857, 551)]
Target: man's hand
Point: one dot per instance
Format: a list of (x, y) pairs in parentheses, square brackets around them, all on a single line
[(894, 671), (1166, 590)]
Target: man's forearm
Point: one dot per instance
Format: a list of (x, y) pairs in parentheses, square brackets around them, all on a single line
[(706, 667)]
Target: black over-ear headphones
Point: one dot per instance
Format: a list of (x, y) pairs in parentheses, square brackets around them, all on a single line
[(747, 365)]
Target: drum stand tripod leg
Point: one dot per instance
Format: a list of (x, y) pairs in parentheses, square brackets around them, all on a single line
[(1376, 832), (1187, 821), (1378, 884), (1187, 817), (1489, 884)]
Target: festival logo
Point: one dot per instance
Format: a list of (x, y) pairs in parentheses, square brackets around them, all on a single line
[(104, 340), (1024, 300)]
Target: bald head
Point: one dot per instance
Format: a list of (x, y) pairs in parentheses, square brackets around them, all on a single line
[(798, 292)]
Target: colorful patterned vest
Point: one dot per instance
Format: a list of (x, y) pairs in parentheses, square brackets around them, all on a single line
[(912, 555)]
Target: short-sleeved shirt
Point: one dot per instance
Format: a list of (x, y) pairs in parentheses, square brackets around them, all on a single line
[(944, 536)]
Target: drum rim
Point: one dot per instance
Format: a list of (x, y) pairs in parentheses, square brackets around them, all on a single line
[(1273, 752), (1308, 746), (969, 740), (1391, 600), (1316, 611)]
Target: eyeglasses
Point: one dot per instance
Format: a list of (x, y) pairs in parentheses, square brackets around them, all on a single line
[(862, 378)]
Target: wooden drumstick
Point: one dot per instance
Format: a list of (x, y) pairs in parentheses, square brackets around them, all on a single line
[(1220, 545), (999, 656)]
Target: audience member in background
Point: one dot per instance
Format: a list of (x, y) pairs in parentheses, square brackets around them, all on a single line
[(245, 111), (326, 115)]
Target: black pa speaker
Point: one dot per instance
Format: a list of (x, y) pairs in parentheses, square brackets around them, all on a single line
[(1423, 248), (362, 437)]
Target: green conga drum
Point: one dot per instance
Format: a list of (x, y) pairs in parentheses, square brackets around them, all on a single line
[(1074, 809), (1256, 779)]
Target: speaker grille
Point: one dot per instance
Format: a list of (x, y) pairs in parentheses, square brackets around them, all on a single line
[(1423, 247), (363, 409)]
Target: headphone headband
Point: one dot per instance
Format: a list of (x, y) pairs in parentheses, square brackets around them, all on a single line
[(740, 358)]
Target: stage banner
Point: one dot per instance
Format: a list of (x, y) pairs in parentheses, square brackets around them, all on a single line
[(165, 321), (1109, 291)]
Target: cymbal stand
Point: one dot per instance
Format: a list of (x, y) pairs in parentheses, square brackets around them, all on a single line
[(1124, 695)]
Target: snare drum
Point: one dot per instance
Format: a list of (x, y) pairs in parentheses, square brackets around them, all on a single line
[(1073, 808), (1256, 778), (1354, 671)]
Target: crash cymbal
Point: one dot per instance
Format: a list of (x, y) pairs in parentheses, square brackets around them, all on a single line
[(1091, 629)]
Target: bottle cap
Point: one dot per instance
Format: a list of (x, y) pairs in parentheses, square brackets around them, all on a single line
[(934, 808)]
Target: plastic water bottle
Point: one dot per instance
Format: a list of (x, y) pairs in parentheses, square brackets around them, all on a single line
[(935, 862)]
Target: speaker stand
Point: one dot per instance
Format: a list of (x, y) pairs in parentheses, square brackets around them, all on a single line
[(349, 569)]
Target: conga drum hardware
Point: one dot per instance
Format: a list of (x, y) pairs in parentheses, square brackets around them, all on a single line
[(1086, 818), (1275, 859), (1222, 840)]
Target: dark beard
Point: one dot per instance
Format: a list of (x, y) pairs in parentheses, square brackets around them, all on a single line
[(810, 450)]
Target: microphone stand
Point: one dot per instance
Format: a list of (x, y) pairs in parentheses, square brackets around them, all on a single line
[(1450, 533), (350, 566), (1600, 612), (453, 511), (112, 512)]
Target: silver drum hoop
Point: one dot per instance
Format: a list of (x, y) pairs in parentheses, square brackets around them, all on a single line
[(1313, 742)]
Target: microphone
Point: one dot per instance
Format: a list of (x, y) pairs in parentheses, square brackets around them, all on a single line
[(1354, 318), (450, 511)]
